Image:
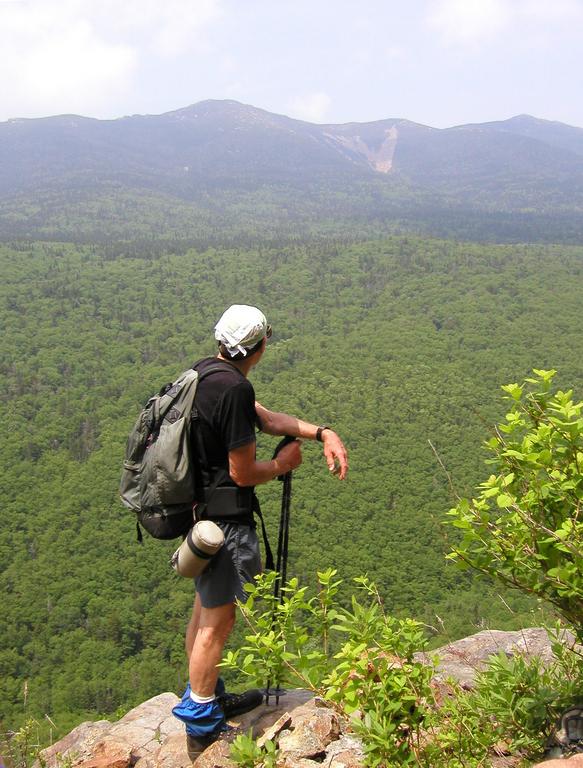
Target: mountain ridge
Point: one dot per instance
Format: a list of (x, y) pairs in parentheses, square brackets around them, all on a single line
[(233, 103), (227, 156)]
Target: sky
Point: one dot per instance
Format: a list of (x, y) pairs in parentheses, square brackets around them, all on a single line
[(437, 62)]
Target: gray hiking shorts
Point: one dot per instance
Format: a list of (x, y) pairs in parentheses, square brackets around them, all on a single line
[(236, 563)]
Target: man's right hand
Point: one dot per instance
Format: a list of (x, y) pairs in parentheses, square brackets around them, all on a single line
[(288, 458), (244, 468)]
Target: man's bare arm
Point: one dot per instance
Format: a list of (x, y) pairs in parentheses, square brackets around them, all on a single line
[(274, 423), (245, 470)]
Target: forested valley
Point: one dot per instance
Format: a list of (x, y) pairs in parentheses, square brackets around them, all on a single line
[(399, 343)]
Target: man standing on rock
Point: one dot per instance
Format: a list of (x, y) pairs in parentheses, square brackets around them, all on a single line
[(229, 416)]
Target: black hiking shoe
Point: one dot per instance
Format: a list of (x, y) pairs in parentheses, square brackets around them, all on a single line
[(571, 733), (567, 740), (234, 704), (196, 745)]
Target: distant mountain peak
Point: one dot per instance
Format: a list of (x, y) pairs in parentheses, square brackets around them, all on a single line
[(225, 150)]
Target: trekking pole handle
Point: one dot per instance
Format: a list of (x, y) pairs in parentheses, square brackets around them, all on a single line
[(282, 443)]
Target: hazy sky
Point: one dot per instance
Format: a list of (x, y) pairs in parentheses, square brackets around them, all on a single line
[(439, 62)]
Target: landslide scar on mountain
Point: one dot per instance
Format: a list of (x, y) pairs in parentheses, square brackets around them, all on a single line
[(379, 158)]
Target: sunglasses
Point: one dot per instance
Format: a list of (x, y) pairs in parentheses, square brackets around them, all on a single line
[(268, 332)]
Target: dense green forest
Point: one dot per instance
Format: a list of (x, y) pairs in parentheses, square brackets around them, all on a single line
[(280, 212), (394, 342)]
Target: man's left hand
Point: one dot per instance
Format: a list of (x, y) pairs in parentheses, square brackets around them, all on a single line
[(335, 453)]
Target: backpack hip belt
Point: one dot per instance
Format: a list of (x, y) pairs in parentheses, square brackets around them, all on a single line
[(228, 502)]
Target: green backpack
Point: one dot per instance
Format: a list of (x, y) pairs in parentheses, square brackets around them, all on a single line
[(158, 479)]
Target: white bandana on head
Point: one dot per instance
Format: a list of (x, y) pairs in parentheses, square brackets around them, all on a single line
[(240, 328)]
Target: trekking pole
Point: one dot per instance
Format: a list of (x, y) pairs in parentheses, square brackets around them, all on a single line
[(282, 556)]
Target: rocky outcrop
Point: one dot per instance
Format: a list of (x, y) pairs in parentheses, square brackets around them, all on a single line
[(136, 738), (308, 733), (462, 659)]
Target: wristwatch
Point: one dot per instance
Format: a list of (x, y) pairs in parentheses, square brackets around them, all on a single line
[(319, 433)]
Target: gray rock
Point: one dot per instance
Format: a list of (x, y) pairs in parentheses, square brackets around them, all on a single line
[(309, 737), (263, 717), (463, 658), (346, 752)]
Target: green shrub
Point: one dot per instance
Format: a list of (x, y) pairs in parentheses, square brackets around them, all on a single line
[(363, 662), (359, 659), (525, 527)]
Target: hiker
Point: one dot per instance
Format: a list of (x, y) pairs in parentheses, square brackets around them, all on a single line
[(229, 416)]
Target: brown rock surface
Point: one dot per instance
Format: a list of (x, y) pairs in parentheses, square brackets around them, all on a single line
[(109, 754), (172, 754), (347, 752), (312, 729), (79, 743), (265, 716), (138, 735), (150, 737), (215, 756), (570, 762), (306, 730)]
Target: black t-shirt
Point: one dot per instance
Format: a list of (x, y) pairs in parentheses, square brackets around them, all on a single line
[(225, 401)]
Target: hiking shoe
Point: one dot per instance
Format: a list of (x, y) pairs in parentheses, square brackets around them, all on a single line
[(234, 704), (571, 732), (220, 687), (196, 745)]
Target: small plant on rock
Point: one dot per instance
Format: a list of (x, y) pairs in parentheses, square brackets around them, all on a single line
[(246, 753), (372, 677)]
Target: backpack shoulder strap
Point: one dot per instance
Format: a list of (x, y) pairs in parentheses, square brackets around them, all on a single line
[(179, 389)]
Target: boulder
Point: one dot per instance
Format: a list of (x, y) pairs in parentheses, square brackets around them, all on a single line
[(347, 752), (309, 733), (133, 740), (463, 658)]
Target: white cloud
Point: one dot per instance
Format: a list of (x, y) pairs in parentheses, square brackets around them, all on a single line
[(312, 107), (83, 55), (552, 13), (466, 21), (476, 21), (53, 61), (394, 52), (168, 27)]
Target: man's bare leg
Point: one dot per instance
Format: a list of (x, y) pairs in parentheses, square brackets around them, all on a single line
[(210, 628), (192, 627)]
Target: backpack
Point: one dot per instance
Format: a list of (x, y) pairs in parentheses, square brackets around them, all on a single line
[(158, 480)]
